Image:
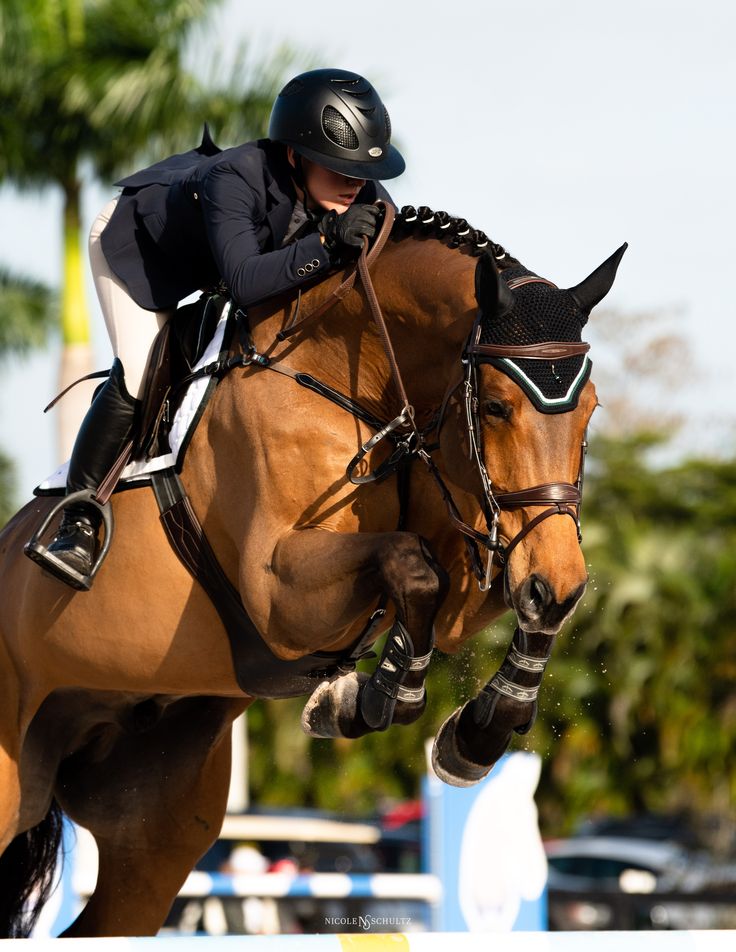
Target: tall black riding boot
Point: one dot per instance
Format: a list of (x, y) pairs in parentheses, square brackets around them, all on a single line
[(109, 424)]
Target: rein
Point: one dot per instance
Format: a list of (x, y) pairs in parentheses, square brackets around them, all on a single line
[(339, 293)]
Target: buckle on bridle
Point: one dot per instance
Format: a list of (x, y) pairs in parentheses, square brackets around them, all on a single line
[(405, 446)]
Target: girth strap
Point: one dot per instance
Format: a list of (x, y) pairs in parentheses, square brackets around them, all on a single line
[(259, 672)]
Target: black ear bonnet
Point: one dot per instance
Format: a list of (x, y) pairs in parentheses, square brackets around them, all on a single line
[(540, 313), (525, 310)]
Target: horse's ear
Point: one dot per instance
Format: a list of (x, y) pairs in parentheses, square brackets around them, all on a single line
[(597, 285), (491, 291)]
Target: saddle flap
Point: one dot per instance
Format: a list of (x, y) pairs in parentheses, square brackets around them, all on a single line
[(178, 347)]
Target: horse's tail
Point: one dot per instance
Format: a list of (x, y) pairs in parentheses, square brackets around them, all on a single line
[(27, 874)]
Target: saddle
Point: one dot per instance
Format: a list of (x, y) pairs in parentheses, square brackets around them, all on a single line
[(180, 344)]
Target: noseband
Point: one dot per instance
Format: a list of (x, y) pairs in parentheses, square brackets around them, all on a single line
[(560, 498)]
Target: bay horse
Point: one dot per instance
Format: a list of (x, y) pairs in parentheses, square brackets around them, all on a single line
[(116, 703)]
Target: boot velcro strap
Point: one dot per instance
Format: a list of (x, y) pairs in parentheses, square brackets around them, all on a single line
[(385, 683), (395, 690), (420, 663), (397, 654), (526, 662), (411, 695), (508, 688)]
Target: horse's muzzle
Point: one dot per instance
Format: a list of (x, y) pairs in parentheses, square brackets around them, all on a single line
[(538, 607)]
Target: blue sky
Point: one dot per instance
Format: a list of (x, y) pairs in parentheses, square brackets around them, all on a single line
[(560, 127)]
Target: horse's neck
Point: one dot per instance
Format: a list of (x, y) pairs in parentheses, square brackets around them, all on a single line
[(426, 295)]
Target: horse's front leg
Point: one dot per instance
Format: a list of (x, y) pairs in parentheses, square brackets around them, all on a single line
[(475, 736), (335, 576)]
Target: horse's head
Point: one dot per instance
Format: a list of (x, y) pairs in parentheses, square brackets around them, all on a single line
[(528, 400)]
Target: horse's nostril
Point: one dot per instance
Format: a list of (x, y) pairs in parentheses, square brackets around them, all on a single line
[(539, 592)]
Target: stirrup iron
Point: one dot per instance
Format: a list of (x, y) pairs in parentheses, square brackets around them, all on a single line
[(39, 553)]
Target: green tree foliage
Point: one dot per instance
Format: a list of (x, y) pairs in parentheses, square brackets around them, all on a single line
[(638, 707), (27, 314), (640, 711), (7, 488)]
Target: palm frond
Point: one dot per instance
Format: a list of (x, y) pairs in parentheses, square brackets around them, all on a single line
[(28, 312)]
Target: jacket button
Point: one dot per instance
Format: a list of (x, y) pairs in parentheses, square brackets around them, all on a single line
[(301, 272), (316, 263), (308, 267), (195, 196)]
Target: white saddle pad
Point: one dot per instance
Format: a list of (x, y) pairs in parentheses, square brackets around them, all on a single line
[(179, 427)]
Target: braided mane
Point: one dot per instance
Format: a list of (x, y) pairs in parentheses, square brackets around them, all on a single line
[(456, 231)]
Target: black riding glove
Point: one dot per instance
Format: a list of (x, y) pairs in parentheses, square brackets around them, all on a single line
[(346, 231)]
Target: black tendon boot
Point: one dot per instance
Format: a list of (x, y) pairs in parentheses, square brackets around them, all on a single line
[(105, 431)]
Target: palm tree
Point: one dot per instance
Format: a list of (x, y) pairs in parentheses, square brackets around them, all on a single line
[(27, 315), (92, 88)]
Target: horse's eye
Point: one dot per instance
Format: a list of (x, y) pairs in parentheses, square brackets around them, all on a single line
[(496, 408)]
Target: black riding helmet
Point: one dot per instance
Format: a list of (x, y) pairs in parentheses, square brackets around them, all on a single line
[(336, 119)]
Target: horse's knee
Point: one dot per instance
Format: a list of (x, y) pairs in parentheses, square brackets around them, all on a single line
[(409, 567)]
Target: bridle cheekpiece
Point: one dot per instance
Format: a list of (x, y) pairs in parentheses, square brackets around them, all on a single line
[(559, 498)]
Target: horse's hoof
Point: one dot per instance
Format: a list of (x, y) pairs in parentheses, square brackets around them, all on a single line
[(449, 764), (333, 705)]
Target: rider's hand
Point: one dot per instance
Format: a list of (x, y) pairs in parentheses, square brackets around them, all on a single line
[(348, 230)]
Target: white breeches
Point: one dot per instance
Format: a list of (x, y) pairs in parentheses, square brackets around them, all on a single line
[(132, 329)]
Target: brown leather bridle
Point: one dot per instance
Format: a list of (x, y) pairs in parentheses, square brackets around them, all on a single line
[(560, 498)]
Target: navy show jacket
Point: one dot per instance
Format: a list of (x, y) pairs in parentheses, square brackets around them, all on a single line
[(207, 215)]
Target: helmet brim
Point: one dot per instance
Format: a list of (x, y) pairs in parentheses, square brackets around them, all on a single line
[(388, 166)]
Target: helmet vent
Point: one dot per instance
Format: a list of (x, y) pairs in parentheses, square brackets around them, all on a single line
[(295, 86), (387, 120), (338, 130), (368, 112), (357, 87)]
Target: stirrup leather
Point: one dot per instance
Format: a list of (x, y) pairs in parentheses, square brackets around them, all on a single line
[(39, 552)]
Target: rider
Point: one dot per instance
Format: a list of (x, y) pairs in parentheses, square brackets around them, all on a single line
[(261, 218)]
